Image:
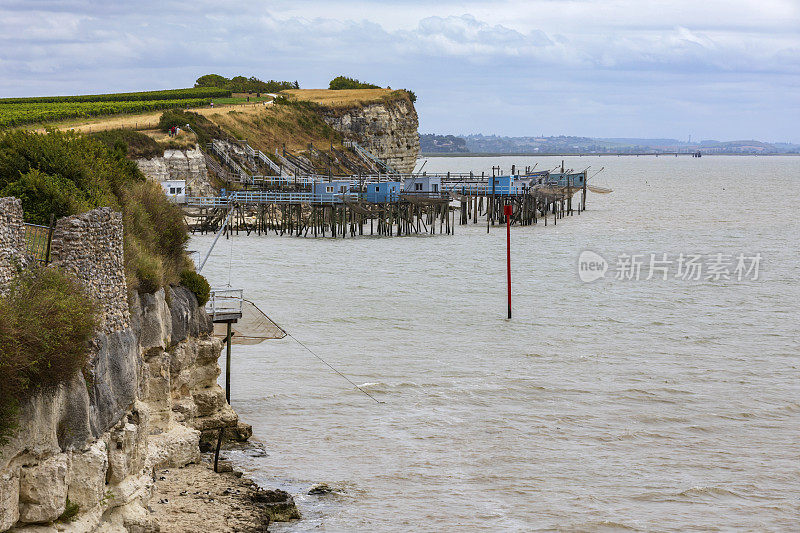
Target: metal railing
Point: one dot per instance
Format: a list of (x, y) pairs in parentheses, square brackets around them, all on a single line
[(37, 242), (269, 197), (225, 303), (367, 156), (219, 149)]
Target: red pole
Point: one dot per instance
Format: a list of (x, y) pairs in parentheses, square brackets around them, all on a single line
[(508, 254)]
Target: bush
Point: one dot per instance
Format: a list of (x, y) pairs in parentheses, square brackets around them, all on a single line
[(129, 143), (241, 84), (46, 321), (197, 284), (66, 174), (71, 510), (43, 195), (343, 82), (155, 237)]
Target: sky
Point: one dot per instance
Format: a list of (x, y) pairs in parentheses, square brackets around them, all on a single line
[(712, 69)]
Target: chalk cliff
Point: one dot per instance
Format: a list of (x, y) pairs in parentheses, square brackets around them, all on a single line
[(388, 129), (188, 165), (148, 392)]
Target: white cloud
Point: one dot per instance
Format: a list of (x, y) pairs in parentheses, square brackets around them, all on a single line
[(541, 60)]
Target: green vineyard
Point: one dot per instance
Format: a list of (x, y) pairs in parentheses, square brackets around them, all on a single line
[(22, 111), (169, 94)]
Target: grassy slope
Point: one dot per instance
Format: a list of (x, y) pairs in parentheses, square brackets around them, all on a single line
[(344, 98)]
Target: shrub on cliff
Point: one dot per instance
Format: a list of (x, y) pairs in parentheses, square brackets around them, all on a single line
[(198, 284), (129, 143), (343, 82), (46, 321), (155, 237), (65, 174), (205, 130)]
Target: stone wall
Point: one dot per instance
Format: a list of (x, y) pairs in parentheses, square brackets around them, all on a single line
[(12, 239), (90, 246), (151, 390), (387, 129), (188, 165)]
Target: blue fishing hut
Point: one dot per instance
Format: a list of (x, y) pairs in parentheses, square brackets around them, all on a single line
[(383, 192), (575, 180), (500, 185), (422, 184), (329, 191)]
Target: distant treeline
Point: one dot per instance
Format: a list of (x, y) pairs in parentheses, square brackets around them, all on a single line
[(563, 144), (240, 84), (446, 144)]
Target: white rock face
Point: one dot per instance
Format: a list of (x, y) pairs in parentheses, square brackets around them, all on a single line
[(9, 499), (87, 475), (189, 165), (175, 448), (43, 490), (388, 130)]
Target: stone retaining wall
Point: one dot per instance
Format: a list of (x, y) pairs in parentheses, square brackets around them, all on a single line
[(12, 239), (151, 390)]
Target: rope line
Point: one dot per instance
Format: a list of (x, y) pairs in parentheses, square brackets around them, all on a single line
[(331, 367)]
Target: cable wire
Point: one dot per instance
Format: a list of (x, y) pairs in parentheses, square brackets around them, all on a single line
[(331, 367)]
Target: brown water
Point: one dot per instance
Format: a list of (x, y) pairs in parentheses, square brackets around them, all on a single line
[(644, 405)]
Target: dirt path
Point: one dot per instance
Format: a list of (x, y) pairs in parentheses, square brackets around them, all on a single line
[(145, 121)]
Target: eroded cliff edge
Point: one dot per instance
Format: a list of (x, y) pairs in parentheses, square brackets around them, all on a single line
[(387, 129), (148, 392)]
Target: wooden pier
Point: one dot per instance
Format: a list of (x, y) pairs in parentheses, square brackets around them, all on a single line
[(304, 202)]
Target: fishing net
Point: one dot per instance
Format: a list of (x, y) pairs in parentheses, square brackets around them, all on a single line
[(254, 326)]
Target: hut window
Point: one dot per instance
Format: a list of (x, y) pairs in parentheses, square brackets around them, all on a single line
[(329, 188), (417, 186), (435, 187), (377, 188)]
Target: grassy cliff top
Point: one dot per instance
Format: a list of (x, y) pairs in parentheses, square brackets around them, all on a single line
[(345, 97)]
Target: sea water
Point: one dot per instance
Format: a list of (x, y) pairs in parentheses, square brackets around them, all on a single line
[(622, 403)]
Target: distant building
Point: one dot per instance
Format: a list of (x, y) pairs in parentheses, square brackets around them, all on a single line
[(422, 185), (175, 190)]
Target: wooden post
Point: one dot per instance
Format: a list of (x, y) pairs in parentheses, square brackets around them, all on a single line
[(228, 365)]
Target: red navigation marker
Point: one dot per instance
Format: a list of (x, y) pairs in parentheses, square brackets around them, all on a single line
[(508, 212)]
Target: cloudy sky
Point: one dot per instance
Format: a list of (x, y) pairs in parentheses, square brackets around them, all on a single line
[(722, 69)]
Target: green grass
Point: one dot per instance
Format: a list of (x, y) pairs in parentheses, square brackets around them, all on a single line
[(233, 101)]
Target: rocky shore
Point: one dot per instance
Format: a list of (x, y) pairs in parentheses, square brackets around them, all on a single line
[(195, 498), (90, 454)]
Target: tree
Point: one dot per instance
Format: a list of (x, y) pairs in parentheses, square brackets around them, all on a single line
[(343, 82), (211, 80)]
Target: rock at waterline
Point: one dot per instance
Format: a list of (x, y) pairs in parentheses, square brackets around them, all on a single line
[(278, 504), (320, 488)]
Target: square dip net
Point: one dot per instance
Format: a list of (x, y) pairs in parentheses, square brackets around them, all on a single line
[(254, 326)]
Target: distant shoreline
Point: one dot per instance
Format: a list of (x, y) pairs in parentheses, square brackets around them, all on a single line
[(576, 154)]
